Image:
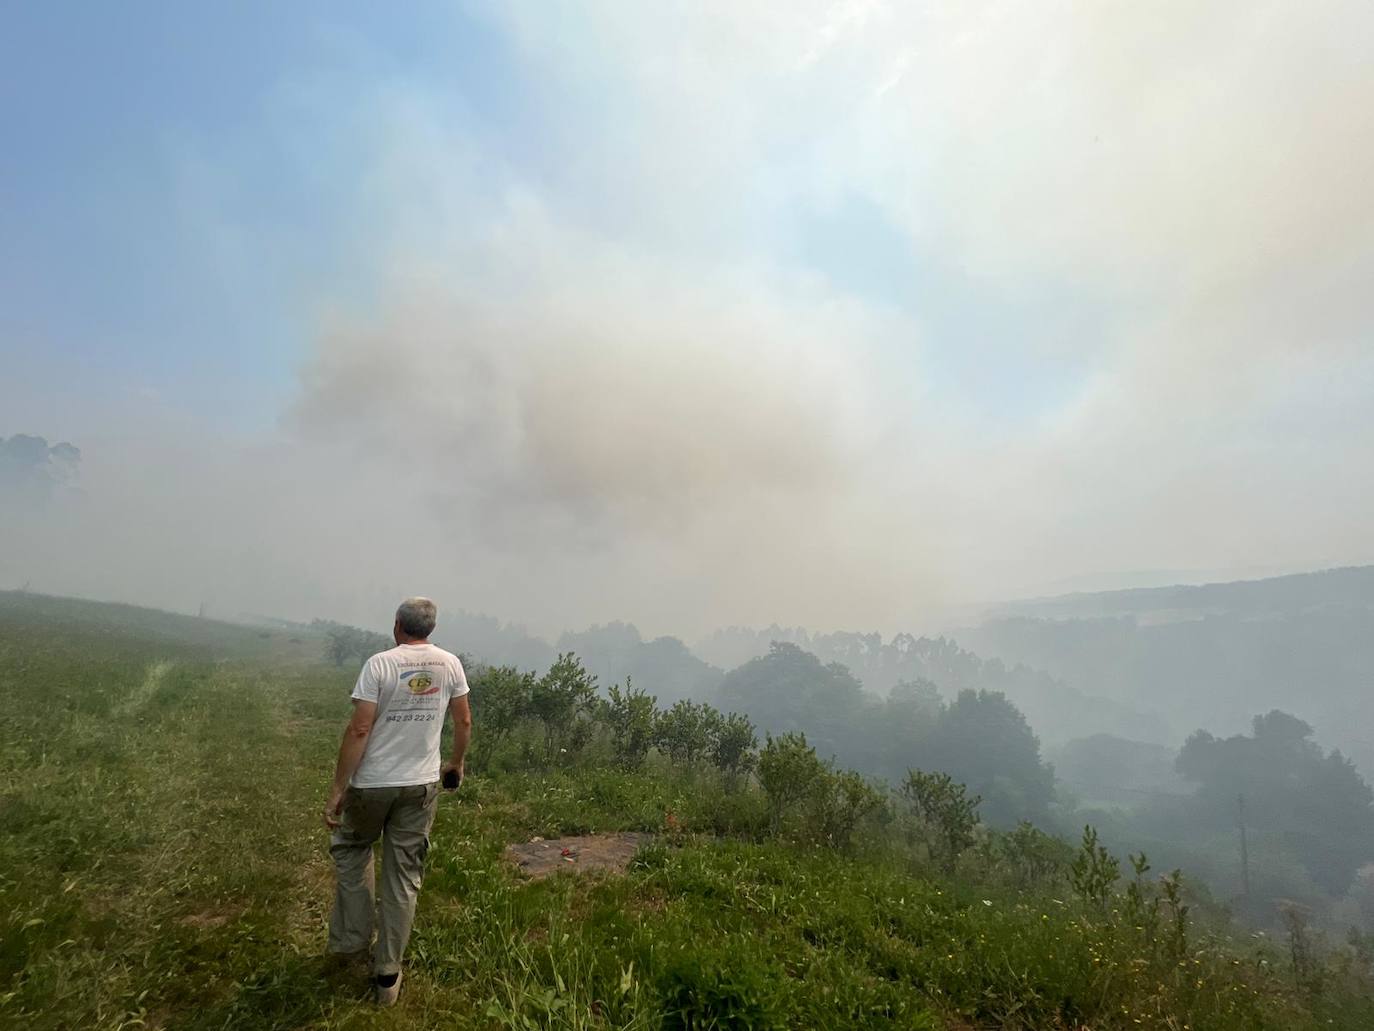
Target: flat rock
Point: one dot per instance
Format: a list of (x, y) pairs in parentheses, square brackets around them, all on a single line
[(613, 852)]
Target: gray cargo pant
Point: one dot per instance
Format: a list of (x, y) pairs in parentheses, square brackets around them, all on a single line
[(401, 817)]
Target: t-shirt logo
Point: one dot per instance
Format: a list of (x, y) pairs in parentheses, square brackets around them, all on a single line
[(419, 681)]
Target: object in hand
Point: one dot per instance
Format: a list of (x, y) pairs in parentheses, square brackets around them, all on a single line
[(452, 778)]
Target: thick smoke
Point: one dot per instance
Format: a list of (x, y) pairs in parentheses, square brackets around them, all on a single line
[(598, 386)]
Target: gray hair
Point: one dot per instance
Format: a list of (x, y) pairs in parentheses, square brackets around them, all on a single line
[(417, 617)]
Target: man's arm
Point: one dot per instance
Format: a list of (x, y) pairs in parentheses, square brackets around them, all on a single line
[(462, 733), (351, 750)]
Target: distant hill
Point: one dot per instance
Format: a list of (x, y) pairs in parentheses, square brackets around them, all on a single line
[(1286, 595), (1212, 655)]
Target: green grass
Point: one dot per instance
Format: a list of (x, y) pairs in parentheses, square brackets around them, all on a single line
[(162, 865)]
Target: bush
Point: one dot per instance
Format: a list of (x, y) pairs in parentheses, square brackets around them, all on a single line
[(561, 700), (632, 716), (1032, 856), (944, 809), (1094, 871), (788, 771), (685, 731), (732, 750), (501, 698), (839, 802)]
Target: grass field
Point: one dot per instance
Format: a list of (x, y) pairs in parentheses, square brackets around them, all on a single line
[(162, 865)]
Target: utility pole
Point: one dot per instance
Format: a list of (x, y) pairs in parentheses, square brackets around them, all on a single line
[(1244, 850)]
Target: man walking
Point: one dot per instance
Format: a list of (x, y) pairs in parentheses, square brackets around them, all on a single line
[(386, 784)]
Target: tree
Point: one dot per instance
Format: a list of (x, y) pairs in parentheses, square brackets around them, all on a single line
[(982, 740), (1313, 805), (30, 469), (790, 690), (345, 643), (616, 651)]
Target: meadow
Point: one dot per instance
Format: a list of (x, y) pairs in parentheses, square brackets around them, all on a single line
[(162, 864)]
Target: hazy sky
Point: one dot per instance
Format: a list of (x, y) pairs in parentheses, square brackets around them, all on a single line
[(688, 314)]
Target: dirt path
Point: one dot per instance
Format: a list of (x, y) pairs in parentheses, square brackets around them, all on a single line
[(613, 852)]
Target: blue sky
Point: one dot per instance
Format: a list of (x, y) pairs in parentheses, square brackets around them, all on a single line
[(132, 126), (128, 126), (996, 295)]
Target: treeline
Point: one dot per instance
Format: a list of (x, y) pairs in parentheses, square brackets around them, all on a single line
[(1170, 937), (1269, 819), (1308, 818), (1219, 668), (784, 786), (781, 787), (978, 737), (1057, 709), (1091, 902)]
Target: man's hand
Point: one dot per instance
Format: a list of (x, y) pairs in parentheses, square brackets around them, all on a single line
[(351, 750), (451, 768), (332, 810)]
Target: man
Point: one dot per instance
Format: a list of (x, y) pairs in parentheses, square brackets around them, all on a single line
[(386, 784)]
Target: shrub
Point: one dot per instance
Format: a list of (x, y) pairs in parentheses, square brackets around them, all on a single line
[(501, 698), (839, 801), (732, 750), (1094, 870), (631, 715), (788, 771), (685, 731), (1033, 856), (559, 700), (945, 810)]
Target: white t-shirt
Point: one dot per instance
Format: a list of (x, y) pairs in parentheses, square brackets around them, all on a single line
[(412, 685)]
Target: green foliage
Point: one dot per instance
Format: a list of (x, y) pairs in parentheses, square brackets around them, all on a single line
[(562, 700), (946, 811), (809, 798), (790, 689), (732, 749), (1094, 870), (616, 650), (502, 696), (631, 715), (840, 801), (981, 739), (685, 731), (1034, 858), (156, 819), (1323, 805), (788, 770), (706, 991)]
